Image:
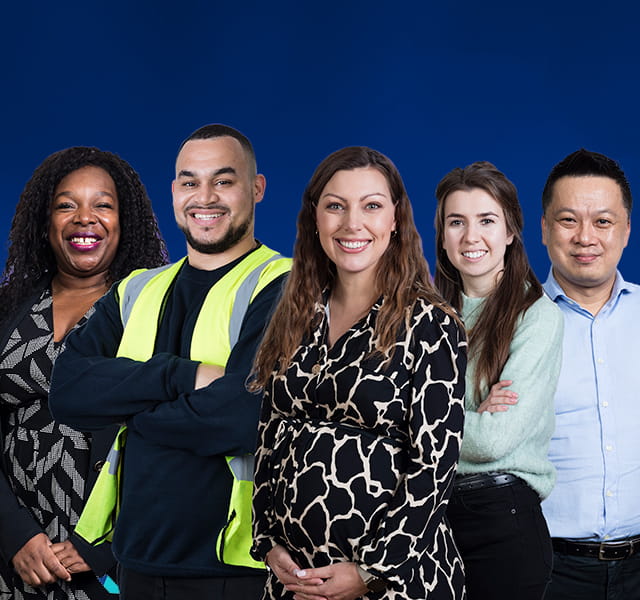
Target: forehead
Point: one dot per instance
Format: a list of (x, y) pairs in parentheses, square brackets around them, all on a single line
[(211, 154), (89, 175), (587, 193), (361, 180), (473, 201)]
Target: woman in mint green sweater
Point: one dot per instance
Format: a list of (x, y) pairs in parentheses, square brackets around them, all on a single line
[(515, 343)]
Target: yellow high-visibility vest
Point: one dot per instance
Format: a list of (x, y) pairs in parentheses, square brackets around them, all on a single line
[(142, 298)]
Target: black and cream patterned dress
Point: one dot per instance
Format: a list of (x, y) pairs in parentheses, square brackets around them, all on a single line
[(356, 459), (45, 462)]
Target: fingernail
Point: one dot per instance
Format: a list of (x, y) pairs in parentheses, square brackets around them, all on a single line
[(300, 573)]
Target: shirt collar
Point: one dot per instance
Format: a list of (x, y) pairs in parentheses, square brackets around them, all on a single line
[(554, 291)]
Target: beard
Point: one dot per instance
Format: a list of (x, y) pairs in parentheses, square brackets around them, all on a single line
[(229, 240)]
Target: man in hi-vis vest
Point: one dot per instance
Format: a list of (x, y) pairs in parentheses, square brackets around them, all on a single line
[(167, 355)]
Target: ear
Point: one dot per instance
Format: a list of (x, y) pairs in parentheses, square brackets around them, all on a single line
[(543, 226), (259, 186), (626, 238)]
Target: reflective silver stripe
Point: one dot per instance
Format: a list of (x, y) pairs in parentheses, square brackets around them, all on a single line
[(243, 298), (113, 458), (242, 467), (134, 287)]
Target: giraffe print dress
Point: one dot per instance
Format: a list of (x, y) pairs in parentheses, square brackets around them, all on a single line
[(356, 458)]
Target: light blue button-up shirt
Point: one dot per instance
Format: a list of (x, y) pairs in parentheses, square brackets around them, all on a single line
[(596, 444)]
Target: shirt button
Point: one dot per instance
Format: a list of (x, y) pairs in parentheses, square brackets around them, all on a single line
[(600, 361), (316, 368), (609, 493), (97, 467), (608, 447), (605, 404)]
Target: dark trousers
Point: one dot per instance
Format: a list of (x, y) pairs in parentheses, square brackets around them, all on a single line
[(136, 586), (580, 578), (504, 542)]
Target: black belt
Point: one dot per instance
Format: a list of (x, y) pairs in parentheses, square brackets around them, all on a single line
[(615, 550), (477, 481)]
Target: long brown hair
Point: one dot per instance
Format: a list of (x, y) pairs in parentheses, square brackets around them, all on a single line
[(518, 287), (402, 274)]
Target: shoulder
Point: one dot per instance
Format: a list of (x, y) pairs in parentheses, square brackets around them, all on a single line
[(543, 322), (544, 312), (430, 320)]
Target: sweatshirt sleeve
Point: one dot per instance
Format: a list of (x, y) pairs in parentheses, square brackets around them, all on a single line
[(435, 420), (17, 525), (91, 389), (221, 418), (533, 366)]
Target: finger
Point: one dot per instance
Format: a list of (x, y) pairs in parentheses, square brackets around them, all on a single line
[(309, 576), (502, 399), (40, 576), (59, 547), (503, 383), (319, 573), (307, 588), (497, 408), (302, 596), (56, 568)]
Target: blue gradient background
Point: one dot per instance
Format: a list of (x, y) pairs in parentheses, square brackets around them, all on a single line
[(432, 85)]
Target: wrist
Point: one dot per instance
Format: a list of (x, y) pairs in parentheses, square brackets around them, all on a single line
[(373, 582)]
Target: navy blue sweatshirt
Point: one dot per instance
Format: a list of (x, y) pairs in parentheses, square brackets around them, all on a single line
[(176, 482)]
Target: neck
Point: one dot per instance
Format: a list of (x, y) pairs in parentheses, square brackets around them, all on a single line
[(354, 291), (477, 289), (589, 298), (210, 262), (64, 282)]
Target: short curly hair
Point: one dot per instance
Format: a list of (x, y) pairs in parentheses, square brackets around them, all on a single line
[(30, 257)]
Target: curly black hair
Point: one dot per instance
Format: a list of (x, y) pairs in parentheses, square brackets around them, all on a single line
[(30, 257)]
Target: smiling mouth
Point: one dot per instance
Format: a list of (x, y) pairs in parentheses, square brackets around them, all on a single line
[(83, 241), (585, 258), (474, 254), (353, 244), (209, 217)]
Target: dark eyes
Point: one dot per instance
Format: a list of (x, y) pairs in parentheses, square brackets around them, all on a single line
[(192, 184)]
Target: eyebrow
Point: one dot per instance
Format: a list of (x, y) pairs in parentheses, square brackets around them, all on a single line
[(221, 171), (361, 199), (573, 211), (459, 216), (69, 193)]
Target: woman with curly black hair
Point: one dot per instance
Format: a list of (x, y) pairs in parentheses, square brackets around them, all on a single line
[(83, 221)]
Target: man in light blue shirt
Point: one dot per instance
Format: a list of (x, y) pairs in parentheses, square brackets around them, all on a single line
[(593, 512)]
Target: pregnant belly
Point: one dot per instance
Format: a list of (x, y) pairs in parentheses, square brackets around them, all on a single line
[(332, 485)]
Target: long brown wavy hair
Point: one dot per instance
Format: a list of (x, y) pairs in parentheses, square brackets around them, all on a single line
[(30, 257), (402, 274), (518, 287)]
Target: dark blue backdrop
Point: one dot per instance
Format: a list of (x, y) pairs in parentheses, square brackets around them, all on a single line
[(432, 85)]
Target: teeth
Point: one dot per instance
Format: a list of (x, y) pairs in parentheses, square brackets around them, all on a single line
[(352, 245), (474, 254), (201, 217), (84, 241)]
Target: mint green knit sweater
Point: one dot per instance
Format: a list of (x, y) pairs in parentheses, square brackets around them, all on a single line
[(517, 441)]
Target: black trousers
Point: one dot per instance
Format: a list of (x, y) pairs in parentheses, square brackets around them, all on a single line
[(136, 586), (580, 578), (504, 542)]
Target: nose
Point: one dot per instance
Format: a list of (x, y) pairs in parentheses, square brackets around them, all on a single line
[(471, 233), (209, 194), (352, 220), (85, 214), (585, 233)]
